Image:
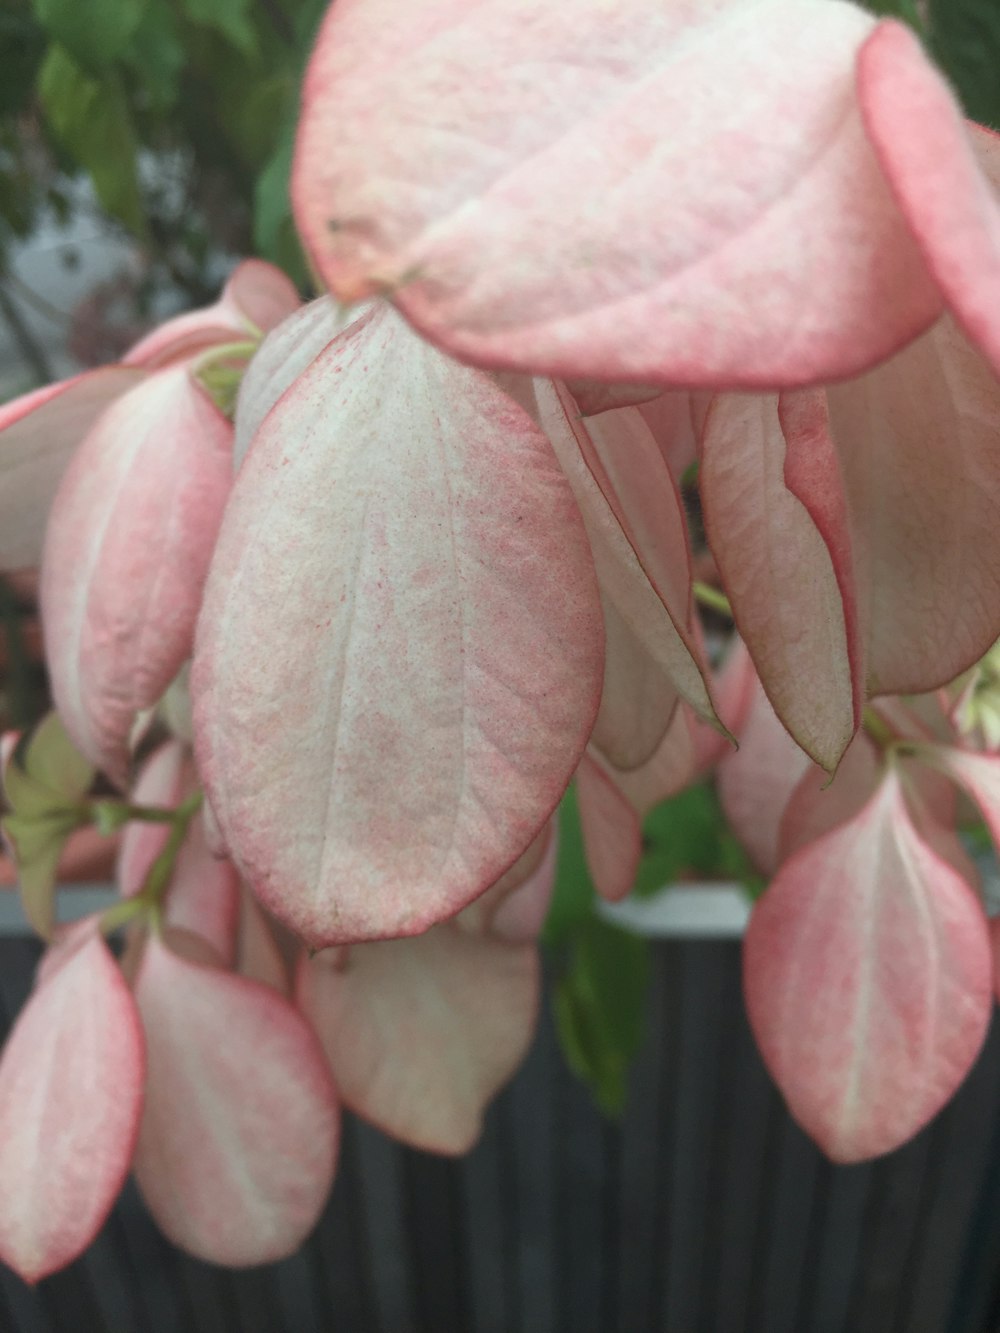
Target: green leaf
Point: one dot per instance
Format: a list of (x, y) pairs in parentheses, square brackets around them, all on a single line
[(272, 202), (36, 845), (94, 32), (574, 895), (599, 1008), (157, 55), (23, 44), (688, 837), (91, 119), (965, 40), (230, 18)]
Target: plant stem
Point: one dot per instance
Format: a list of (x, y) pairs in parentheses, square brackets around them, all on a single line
[(712, 598)]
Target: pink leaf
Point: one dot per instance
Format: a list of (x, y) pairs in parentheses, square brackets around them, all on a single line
[(127, 552), (420, 1033), (256, 298), (756, 782), (38, 435), (978, 774), (161, 782), (592, 397), (818, 803), (788, 578), (919, 446), (637, 531), (71, 1081), (610, 195), (612, 833), (868, 981), (941, 172), (239, 1137), (283, 356), (421, 577), (514, 908), (638, 699), (258, 955)]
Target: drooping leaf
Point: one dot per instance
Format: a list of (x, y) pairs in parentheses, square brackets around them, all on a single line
[(126, 555), (71, 1087), (868, 978), (599, 1008), (239, 1137), (231, 18), (679, 265), (91, 118), (421, 1033), (96, 33), (450, 670)]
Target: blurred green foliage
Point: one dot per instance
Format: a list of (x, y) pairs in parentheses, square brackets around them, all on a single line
[(115, 89)]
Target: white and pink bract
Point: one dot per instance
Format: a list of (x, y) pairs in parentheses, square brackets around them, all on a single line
[(439, 564)]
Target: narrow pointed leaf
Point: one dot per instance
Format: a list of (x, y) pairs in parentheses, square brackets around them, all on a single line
[(647, 582), (790, 581)]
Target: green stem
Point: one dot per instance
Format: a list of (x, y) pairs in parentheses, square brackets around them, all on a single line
[(712, 598), (878, 729), (148, 900)]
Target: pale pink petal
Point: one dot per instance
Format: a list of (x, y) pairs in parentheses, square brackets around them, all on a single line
[(637, 531), (38, 434), (71, 1080), (995, 943), (942, 173), (420, 1033), (867, 970), (133, 528), (919, 446), (612, 832), (239, 1136), (756, 782), (257, 297), (281, 358), (619, 195), (421, 580), (789, 579)]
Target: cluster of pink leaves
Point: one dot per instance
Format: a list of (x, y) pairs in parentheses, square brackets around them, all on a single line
[(454, 568), (214, 1060)]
